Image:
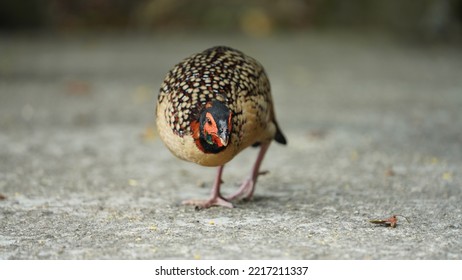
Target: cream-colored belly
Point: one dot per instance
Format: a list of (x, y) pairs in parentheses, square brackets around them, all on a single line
[(185, 148)]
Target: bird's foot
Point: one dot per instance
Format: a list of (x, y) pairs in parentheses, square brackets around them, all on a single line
[(214, 201), (245, 191)]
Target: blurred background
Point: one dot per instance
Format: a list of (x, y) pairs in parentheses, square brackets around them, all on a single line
[(435, 20), (368, 93)]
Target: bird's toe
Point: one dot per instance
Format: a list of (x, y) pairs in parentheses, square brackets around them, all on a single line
[(214, 201)]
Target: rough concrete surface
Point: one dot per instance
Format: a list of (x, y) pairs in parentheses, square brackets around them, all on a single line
[(374, 129)]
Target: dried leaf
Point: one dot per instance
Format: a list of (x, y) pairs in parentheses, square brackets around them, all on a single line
[(389, 222)]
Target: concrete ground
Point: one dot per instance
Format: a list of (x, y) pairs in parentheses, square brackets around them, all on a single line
[(374, 129)]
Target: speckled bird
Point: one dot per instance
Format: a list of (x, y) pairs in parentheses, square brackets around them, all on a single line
[(213, 105)]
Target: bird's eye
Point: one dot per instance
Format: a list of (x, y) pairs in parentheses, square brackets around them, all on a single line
[(209, 122)]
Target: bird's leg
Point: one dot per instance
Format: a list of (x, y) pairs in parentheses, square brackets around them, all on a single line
[(215, 197), (248, 186)]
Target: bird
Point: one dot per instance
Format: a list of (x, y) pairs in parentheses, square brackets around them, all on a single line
[(211, 106)]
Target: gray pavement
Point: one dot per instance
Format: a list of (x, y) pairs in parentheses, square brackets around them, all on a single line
[(374, 128)]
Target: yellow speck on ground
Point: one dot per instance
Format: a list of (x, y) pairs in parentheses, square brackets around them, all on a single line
[(197, 257), (153, 228), (132, 182), (211, 222), (354, 155), (447, 176)]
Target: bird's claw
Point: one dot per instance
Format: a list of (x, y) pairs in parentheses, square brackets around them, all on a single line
[(214, 201)]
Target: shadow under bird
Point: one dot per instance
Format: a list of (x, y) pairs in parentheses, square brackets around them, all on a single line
[(213, 105)]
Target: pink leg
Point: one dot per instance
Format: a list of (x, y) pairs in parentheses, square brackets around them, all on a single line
[(248, 186), (215, 198)]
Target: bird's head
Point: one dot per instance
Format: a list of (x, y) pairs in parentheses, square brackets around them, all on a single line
[(213, 130)]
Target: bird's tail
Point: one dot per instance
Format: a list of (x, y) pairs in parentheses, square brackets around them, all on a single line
[(279, 137)]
